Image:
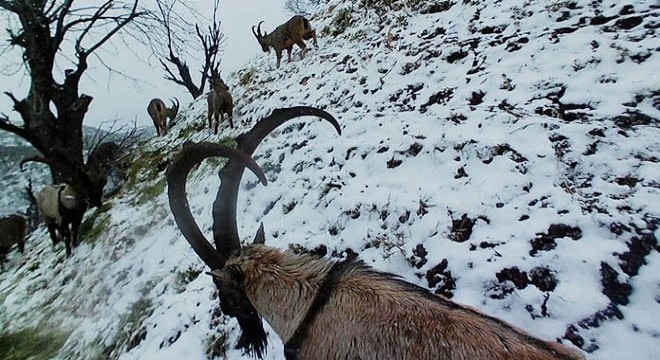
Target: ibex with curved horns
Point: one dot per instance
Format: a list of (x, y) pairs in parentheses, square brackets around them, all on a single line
[(219, 103), (159, 114), (330, 310), (284, 36)]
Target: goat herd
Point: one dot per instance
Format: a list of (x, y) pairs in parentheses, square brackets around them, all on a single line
[(320, 309), (220, 102)]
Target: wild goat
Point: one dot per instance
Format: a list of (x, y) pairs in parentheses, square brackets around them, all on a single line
[(219, 103), (159, 114), (12, 231), (62, 209), (323, 309), (284, 36)]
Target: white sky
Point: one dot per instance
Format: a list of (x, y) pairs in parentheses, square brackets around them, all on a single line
[(116, 97)]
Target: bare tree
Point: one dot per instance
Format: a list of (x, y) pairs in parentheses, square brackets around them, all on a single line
[(53, 111), (211, 43)]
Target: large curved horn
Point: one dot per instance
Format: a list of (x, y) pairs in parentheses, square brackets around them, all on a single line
[(259, 29), (249, 141), (177, 173), (225, 232), (255, 33), (174, 110)]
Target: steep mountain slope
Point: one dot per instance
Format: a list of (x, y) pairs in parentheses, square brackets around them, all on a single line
[(12, 180), (502, 154)]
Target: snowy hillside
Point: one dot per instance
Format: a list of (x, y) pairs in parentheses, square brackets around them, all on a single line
[(12, 180), (501, 153)]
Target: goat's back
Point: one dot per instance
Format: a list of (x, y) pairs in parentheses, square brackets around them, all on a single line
[(156, 107), (384, 318), (47, 202), (298, 24), (220, 101), (158, 112)]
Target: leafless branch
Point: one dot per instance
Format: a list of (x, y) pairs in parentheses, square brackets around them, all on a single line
[(211, 46)]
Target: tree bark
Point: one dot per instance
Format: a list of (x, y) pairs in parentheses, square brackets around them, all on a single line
[(52, 112)]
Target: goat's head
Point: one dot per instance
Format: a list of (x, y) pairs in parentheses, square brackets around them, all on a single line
[(218, 84), (261, 38), (87, 181), (233, 300)]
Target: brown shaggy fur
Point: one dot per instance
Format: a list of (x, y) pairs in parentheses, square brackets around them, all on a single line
[(374, 315), (159, 114), (294, 31), (219, 102)]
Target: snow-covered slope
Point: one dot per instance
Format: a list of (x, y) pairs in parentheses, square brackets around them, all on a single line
[(501, 153), (12, 180)]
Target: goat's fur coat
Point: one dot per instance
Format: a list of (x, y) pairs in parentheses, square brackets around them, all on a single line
[(347, 310)]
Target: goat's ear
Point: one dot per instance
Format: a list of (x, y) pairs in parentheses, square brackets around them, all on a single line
[(260, 237)]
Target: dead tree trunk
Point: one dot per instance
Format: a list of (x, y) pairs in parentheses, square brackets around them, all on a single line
[(53, 112)]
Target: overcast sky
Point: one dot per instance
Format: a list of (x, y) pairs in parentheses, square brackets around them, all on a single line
[(116, 97)]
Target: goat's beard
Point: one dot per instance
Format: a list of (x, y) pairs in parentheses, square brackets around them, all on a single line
[(235, 303)]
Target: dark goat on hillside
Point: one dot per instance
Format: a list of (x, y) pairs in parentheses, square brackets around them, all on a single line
[(330, 310), (294, 31), (12, 232), (220, 103), (159, 114), (62, 209), (62, 206)]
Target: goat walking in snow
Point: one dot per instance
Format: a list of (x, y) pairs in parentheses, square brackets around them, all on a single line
[(294, 31), (159, 114), (330, 310)]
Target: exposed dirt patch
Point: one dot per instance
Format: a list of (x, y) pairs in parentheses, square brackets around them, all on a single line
[(413, 150), (629, 22), (418, 258), (440, 279), (543, 278), (514, 275), (547, 241), (633, 118), (440, 98), (461, 229), (476, 98), (392, 163), (456, 55), (617, 291)]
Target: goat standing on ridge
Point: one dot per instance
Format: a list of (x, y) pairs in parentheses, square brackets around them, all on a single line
[(284, 36), (220, 103), (159, 114), (330, 310)]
